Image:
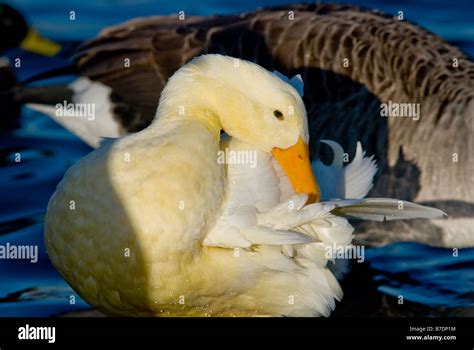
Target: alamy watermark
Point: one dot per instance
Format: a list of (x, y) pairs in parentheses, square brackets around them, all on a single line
[(28, 332), (75, 110), (404, 110), (237, 157), (19, 252), (336, 251)]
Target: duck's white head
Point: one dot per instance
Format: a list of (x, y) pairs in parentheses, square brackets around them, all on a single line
[(250, 104)]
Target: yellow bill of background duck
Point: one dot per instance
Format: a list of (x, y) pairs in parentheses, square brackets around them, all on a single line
[(34, 42)]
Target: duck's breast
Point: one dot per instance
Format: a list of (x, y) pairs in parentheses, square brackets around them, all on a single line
[(126, 223)]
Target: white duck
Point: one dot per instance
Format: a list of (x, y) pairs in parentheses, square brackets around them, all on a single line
[(153, 224)]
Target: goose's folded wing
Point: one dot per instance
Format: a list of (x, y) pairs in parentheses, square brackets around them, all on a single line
[(385, 209)]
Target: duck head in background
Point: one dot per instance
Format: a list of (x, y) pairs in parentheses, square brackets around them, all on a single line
[(15, 32)]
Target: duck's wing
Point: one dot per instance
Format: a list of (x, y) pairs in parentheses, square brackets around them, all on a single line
[(251, 179), (260, 207), (252, 201)]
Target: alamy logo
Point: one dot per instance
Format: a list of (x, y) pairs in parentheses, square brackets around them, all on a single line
[(345, 252), (37, 333), (394, 109), (237, 157), (76, 110), (20, 252)]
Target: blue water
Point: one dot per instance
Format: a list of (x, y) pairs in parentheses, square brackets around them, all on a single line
[(436, 277), (427, 276)]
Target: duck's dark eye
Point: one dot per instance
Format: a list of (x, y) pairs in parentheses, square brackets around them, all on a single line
[(278, 114)]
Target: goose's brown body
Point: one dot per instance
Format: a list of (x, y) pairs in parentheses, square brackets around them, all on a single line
[(351, 61)]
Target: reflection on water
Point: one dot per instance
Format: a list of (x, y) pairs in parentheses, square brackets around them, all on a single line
[(432, 281), (33, 161), (436, 277)]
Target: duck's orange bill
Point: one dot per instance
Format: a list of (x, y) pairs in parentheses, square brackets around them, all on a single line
[(297, 166)]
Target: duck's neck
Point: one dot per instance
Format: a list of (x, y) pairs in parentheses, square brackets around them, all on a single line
[(187, 101)]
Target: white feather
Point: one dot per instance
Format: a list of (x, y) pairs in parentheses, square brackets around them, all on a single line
[(359, 174), (250, 184), (296, 81), (385, 209), (89, 129), (270, 236), (353, 181), (330, 179)]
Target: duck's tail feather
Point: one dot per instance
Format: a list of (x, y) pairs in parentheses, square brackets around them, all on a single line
[(351, 181), (359, 174), (385, 209)]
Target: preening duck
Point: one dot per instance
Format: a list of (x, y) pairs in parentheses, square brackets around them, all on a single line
[(351, 60), (153, 224)]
